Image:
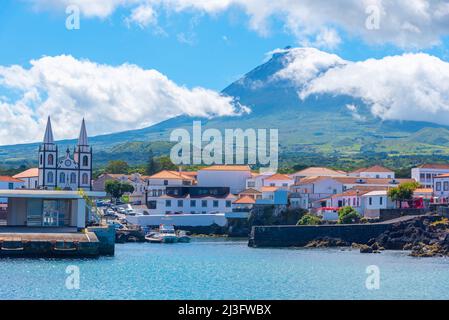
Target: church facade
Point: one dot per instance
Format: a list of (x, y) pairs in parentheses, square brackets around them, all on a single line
[(66, 172)]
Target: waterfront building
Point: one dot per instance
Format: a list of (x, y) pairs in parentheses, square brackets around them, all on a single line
[(377, 172), (47, 208), (309, 191), (30, 177), (10, 183), (374, 201), (441, 188), (424, 174), (67, 172), (193, 200)]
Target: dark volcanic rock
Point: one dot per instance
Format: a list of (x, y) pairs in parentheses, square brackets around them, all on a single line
[(327, 243)]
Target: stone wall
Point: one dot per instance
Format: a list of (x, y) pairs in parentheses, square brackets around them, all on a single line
[(298, 236), (389, 214)]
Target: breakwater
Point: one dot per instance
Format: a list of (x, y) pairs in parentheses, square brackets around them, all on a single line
[(299, 236)]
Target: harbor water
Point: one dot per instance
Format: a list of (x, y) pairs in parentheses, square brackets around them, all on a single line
[(225, 269)]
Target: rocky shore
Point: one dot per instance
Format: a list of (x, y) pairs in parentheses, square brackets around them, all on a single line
[(424, 236)]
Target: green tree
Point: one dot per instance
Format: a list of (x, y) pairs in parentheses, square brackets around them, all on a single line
[(309, 220), (164, 163), (151, 164), (348, 215), (117, 189), (117, 166), (403, 192)]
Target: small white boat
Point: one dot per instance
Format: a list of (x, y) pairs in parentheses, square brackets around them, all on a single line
[(183, 237)]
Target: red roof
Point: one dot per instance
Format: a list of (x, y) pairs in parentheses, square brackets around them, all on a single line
[(9, 179), (245, 200), (434, 166), (29, 173), (278, 176)]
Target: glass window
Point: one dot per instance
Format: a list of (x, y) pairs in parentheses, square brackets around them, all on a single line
[(215, 203), (370, 201), (85, 161), (50, 177), (50, 159), (381, 200), (72, 177), (446, 185), (62, 177), (165, 182), (204, 203), (180, 203), (10, 186), (168, 203), (85, 178), (193, 203), (228, 203), (422, 176), (438, 186)]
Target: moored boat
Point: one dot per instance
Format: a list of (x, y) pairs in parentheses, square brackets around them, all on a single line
[(166, 234)]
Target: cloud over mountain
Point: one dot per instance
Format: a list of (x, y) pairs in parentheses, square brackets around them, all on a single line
[(404, 87), (112, 98), (403, 23)]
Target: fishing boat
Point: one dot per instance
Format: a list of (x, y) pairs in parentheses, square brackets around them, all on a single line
[(166, 234)]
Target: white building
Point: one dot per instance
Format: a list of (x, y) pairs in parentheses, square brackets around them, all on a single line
[(193, 200), (441, 187), (377, 172), (30, 177), (374, 201), (231, 176), (309, 191), (425, 173), (67, 173), (10, 183)]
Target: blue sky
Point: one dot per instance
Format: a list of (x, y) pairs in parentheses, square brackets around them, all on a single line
[(186, 51), (222, 47)]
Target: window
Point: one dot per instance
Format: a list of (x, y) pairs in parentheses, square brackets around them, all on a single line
[(180, 203), (50, 159), (377, 176), (272, 185), (85, 178), (85, 161), (445, 185), (353, 202), (204, 203), (251, 184), (40, 159), (168, 203), (215, 204), (50, 177), (193, 203), (73, 177), (165, 182), (62, 177), (10, 186), (422, 176), (228, 203), (438, 186), (381, 199), (370, 201), (428, 176)]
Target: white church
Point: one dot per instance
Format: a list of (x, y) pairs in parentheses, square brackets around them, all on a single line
[(67, 172)]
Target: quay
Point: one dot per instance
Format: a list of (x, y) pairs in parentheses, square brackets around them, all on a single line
[(49, 223), (299, 236)]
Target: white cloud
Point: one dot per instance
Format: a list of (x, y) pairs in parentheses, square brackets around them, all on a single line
[(110, 98), (405, 87), (404, 23)]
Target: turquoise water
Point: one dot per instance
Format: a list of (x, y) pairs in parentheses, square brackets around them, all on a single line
[(225, 269)]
